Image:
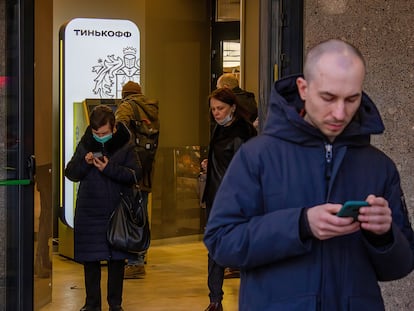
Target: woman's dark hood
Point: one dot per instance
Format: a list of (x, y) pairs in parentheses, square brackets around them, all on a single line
[(284, 121)]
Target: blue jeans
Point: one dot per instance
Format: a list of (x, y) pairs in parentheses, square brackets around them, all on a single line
[(140, 256)]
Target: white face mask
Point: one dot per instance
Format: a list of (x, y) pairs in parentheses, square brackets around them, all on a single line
[(226, 120)]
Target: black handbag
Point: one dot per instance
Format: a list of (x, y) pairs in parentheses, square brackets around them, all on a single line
[(128, 228)]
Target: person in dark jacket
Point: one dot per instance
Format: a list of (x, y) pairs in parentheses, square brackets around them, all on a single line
[(248, 102), (104, 163), (232, 129), (244, 98), (274, 215), (148, 113)]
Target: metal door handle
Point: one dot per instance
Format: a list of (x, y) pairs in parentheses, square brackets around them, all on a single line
[(15, 182)]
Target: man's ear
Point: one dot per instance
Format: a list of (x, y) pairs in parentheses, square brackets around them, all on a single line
[(302, 87)]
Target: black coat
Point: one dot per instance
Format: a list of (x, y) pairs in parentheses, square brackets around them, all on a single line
[(98, 192), (225, 142), (247, 101)]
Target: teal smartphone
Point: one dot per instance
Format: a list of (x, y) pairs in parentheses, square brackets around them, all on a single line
[(351, 209)]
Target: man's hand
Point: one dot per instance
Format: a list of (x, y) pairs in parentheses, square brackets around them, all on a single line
[(375, 218), (324, 223)]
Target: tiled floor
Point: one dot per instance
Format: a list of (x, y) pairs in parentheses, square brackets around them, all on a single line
[(176, 279)]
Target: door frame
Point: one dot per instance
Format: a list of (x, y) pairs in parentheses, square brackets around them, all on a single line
[(281, 45), (20, 198)]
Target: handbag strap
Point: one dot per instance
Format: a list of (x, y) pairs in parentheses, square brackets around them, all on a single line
[(135, 176), (136, 185)]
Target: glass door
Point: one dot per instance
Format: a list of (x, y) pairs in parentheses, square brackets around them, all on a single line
[(16, 155), (225, 39)]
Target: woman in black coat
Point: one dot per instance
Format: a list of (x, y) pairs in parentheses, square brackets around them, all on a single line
[(104, 163), (231, 130)]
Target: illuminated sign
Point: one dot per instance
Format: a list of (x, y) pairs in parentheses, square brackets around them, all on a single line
[(97, 57)]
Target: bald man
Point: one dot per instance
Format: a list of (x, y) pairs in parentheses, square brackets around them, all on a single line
[(275, 214), (244, 98)]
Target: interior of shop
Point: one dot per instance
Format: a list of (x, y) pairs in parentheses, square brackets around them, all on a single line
[(175, 66)]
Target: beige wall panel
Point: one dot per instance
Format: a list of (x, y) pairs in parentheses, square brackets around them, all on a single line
[(178, 49), (43, 82), (250, 33), (180, 103)]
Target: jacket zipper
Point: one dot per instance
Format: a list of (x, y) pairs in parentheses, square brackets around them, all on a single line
[(328, 174), (328, 159)]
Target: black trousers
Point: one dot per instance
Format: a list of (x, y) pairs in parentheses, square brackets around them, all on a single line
[(215, 280), (92, 272), (215, 272)]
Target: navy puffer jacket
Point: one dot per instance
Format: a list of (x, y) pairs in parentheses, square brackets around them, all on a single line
[(255, 220), (99, 192)]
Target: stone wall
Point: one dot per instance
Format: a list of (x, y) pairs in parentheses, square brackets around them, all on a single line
[(383, 31)]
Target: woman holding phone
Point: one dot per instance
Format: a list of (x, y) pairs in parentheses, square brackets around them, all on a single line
[(105, 163)]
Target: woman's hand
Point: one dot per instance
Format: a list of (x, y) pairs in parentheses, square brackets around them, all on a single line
[(100, 164), (89, 158)]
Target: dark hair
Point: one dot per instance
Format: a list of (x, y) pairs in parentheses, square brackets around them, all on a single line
[(100, 116), (227, 96)]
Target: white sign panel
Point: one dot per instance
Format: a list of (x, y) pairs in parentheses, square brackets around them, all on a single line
[(97, 57)]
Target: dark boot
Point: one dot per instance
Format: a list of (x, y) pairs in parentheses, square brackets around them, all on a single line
[(86, 308), (214, 306)]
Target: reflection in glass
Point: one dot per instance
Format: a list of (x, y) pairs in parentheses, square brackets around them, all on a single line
[(227, 10), (231, 57)]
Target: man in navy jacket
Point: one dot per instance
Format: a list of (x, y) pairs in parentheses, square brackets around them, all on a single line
[(274, 215)]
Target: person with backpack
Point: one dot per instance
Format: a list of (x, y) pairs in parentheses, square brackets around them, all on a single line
[(140, 114)]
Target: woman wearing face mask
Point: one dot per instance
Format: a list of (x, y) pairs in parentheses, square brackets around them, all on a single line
[(104, 163), (231, 130)]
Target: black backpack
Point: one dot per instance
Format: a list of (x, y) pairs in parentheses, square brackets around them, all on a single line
[(146, 139)]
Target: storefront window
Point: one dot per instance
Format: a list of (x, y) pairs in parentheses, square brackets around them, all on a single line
[(231, 57)]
